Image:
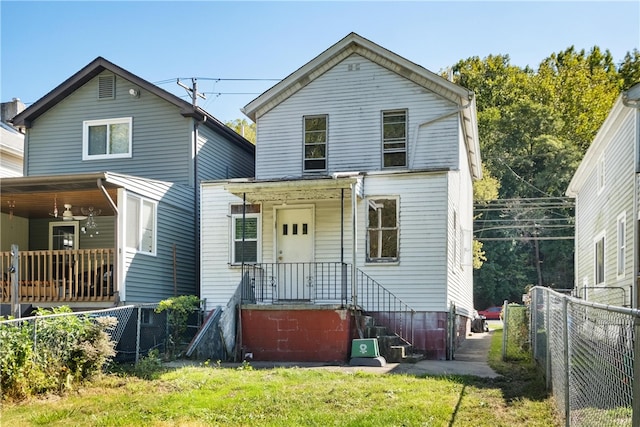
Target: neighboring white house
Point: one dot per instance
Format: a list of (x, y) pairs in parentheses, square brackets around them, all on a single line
[(364, 172), (11, 141), (606, 189)]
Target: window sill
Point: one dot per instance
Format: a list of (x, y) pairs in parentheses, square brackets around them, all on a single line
[(371, 263)]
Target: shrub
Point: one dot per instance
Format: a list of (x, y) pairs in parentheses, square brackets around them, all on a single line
[(51, 353), (178, 310)]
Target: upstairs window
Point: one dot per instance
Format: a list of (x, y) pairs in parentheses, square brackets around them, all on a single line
[(382, 230), (394, 138), (141, 224), (315, 143), (109, 138), (245, 234)]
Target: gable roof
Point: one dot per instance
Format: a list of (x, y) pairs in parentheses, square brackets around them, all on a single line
[(354, 43), (619, 112), (97, 66)]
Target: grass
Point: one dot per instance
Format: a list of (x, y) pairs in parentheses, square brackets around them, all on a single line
[(217, 396)]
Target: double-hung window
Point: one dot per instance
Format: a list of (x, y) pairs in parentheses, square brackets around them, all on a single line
[(141, 224), (245, 234), (599, 260), (394, 138), (315, 143), (382, 230), (106, 139)]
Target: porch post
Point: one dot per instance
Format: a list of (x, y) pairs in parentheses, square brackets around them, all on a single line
[(354, 217), (15, 287), (115, 278)]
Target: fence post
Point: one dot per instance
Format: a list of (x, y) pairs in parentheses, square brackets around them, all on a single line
[(138, 335), (505, 328), (533, 322), (635, 400), (565, 341), (547, 333)]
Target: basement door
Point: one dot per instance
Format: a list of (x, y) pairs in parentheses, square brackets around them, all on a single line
[(294, 249)]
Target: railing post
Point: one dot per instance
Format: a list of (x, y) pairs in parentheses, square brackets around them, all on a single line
[(15, 286), (505, 328), (139, 318), (547, 333), (635, 399)]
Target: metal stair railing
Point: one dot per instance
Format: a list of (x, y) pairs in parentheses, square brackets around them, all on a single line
[(387, 309)]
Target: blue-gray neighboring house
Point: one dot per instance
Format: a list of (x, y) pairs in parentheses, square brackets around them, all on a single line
[(108, 209)]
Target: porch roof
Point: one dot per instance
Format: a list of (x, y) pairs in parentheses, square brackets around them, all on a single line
[(34, 196), (295, 189)]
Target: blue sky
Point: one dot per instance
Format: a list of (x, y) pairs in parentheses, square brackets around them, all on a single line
[(44, 43)]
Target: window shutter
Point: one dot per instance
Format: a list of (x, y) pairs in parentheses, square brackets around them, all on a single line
[(106, 87)]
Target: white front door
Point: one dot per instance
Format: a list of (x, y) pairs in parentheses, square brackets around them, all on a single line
[(294, 252)]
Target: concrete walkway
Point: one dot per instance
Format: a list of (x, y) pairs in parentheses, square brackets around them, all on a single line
[(470, 359)]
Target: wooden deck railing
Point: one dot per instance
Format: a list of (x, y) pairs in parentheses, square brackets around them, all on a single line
[(59, 275)]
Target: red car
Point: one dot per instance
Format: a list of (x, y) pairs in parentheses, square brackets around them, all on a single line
[(492, 313)]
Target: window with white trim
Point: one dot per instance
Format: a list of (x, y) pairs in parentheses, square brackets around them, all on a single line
[(598, 273), (141, 224), (245, 234), (394, 138), (315, 143), (106, 139), (382, 230), (622, 232)]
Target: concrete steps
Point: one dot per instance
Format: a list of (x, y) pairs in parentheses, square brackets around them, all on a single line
[(392, 347)]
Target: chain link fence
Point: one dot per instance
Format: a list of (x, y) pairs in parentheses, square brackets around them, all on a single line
[(587, 351), (515, 332), (138, 331)]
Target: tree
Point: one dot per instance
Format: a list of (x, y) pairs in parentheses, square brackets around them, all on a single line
[(244, 128), (630, 69)]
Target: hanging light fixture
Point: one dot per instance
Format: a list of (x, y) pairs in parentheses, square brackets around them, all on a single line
[(91, 226), (12, 204), (55, 207)]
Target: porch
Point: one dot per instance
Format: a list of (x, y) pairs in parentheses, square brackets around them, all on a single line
[(58, 276)]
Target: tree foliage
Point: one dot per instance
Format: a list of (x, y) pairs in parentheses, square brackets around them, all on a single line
[(534, 127), (244, 128)]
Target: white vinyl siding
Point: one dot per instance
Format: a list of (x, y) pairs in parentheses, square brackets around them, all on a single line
[(598, 211), (353, 100)]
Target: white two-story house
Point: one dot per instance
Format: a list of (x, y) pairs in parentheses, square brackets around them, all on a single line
[(361, 207), (606, 187)]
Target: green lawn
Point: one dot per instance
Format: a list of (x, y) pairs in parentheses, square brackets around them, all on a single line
[(211, 396)]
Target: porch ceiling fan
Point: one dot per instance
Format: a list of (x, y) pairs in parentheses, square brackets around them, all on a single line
[(68, 215)]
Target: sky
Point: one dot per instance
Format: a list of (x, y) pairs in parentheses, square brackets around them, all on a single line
[(239, 49)]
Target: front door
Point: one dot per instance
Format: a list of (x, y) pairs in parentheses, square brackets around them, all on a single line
[(294, 252)]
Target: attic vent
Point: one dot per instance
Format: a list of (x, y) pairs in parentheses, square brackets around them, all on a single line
[(353, 67), (106, 87)]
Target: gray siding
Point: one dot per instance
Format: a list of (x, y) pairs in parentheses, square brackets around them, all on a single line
[(353, 101), (150, 278), (220, 159), (161, 136)]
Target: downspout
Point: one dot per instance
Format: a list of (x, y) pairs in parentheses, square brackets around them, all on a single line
[(354, 243), (434, 120), (116, 246)]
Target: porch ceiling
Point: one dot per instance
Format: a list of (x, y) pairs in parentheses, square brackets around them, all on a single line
[(303, 189), (33, 197)]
